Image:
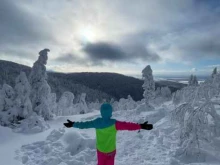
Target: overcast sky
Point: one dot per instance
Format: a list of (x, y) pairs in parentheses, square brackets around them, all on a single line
[(175, 37)]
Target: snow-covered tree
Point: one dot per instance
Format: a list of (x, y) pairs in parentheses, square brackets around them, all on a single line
[(197, 116), (149, 84), (177, 97), (157, 92), (214, 72), (53, 103), (8, 114), (193, 80), (190, 80), (22, 100), (40, 90), (122, 104), (216, 81), (65, 104), (82, 104), (115, 106), (131, 104), (166, 92), (94, 105), (32, 124), (6, 97)]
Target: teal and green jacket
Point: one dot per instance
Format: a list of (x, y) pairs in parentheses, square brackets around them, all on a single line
[(106, 129)]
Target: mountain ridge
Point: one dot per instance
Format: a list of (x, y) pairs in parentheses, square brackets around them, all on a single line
[(96, 84)]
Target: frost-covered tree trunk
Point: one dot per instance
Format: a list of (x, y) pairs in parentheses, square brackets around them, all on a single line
[(149, 85), (40, 90), (22, 100)]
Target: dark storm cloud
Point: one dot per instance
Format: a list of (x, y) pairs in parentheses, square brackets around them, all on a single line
[(104, 51), (70, 58), (66, 58), (141, 52), (107, 51)]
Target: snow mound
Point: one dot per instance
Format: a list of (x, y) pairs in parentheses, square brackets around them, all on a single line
[(60, 148), (33, 124)]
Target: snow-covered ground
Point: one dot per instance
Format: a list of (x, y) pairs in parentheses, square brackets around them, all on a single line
[(62, 146)]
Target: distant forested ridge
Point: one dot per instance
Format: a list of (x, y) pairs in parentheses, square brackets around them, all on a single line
[(95, 85)]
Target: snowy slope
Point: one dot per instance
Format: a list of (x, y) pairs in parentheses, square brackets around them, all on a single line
[(62, 146)]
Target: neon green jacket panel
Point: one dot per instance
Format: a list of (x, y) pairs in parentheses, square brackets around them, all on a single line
[(106, 139)]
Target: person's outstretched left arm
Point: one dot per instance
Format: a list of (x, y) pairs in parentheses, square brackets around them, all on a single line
[(122, 125), (81, 125)]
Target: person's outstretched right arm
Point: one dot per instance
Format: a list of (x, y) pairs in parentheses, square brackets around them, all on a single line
[(81, 125), (121, 125)]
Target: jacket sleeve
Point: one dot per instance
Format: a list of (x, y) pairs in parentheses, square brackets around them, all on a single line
[(85, 125), (121, 125)]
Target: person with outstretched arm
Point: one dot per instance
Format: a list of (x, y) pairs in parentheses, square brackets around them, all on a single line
[(106, 129)]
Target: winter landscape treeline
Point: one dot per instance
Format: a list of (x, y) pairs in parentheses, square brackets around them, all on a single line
[(114, 85), (32, 94), (194, 109)]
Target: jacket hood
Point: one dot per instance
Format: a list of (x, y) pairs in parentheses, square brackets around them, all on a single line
[(106, 111)]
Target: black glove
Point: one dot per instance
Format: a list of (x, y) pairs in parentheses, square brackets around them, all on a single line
[(146, 126), (69, 124)]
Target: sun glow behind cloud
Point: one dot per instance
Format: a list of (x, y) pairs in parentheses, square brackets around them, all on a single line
[(88, 34)]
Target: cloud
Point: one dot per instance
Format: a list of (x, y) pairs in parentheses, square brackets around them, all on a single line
[(104, 51), (213, 66), (70, 58), (110, 52), (66, 58), (20, 26), (193, 70), (142, 32), (77, 60)]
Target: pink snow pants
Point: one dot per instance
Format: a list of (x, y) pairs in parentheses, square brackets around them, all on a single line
[(106, 158)]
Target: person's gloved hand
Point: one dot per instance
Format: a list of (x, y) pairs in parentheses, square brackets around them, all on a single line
[(69, 124), (146, 126)]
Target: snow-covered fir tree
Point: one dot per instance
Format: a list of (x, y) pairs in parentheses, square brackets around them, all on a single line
[(33, 124), (214, 72), (22, 100), (177, 97), (149, 84), (8, 114), (40, 90), (65, 104), (82, 104), (131, 104), (197, 117), (94, 105), (166, 93), (193, 80)]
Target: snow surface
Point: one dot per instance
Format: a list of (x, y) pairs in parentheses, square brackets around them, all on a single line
[(63, 146)]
